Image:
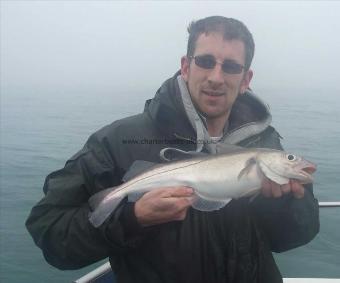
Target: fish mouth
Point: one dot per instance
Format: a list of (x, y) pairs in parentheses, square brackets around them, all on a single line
[(306, 169)]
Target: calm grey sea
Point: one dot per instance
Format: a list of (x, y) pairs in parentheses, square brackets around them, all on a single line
[(41, 129)]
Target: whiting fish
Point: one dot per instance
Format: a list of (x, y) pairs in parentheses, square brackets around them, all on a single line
[(215, 179)]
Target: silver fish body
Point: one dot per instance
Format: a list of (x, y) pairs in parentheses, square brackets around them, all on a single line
[(215, 179)]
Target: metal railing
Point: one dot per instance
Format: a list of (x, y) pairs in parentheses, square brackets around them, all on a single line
[(329, 203)]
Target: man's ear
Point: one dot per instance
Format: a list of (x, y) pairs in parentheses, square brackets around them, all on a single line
[(246, 81), (185, 64)]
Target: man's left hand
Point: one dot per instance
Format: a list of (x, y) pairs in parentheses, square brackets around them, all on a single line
[(272, 189)]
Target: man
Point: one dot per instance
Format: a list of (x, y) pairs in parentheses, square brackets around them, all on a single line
[(207, 107)]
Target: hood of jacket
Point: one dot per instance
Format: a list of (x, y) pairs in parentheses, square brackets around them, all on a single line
[(174, 114)]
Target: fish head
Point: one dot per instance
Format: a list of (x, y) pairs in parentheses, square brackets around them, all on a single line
[(282, 166)]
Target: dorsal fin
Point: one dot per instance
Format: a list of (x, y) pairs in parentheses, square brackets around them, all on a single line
[(247, 168), (172, 154), (137, 167)]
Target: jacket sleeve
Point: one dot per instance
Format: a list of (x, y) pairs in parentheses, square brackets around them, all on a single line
[(59, 223), (288, 222)]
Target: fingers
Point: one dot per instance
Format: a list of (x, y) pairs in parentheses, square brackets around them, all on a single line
[(181, 215), (176, 192), (168, 192), (298, 190), (272, 189), (276, 190), (163, 205), (266, 188), (176, 205), (286, 188)]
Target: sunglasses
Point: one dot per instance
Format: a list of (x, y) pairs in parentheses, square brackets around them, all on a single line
[(209, 62)]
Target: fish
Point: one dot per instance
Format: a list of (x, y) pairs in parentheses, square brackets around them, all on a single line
[(215, 179)]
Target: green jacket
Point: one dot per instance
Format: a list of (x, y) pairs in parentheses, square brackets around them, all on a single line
[(233, 244)]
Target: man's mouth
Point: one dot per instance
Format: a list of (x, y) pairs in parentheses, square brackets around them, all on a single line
[(212, 93)]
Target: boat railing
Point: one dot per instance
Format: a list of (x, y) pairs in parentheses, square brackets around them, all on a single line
[(102, 274)]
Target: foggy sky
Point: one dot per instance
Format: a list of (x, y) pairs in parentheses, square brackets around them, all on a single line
[(134, 45)]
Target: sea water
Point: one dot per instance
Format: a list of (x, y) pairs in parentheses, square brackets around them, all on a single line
[(41, 129)]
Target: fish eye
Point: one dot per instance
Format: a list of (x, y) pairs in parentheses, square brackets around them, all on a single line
[(291, 157)]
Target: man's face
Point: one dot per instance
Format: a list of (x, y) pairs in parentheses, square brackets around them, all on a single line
[(212, 91)]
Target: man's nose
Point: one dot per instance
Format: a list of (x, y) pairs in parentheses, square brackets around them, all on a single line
[(216, 75)]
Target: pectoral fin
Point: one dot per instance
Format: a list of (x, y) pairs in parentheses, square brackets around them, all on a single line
[(248, 166), (202, 204)]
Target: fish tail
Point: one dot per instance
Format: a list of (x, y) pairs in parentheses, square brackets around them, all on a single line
[(101, 210)]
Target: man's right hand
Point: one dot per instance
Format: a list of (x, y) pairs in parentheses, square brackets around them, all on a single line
[(163, 205)]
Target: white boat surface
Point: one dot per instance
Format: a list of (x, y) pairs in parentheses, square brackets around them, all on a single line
[(310, 280)]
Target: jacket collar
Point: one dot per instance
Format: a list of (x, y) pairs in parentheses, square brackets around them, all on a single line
[(169, 111)]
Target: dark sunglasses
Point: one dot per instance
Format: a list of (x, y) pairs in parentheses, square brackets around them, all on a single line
[(209, 62)]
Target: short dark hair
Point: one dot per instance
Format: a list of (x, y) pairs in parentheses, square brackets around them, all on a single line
[(230, 29)]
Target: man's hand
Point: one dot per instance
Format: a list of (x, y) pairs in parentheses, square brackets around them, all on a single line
[(272, 189), (163, 205)]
